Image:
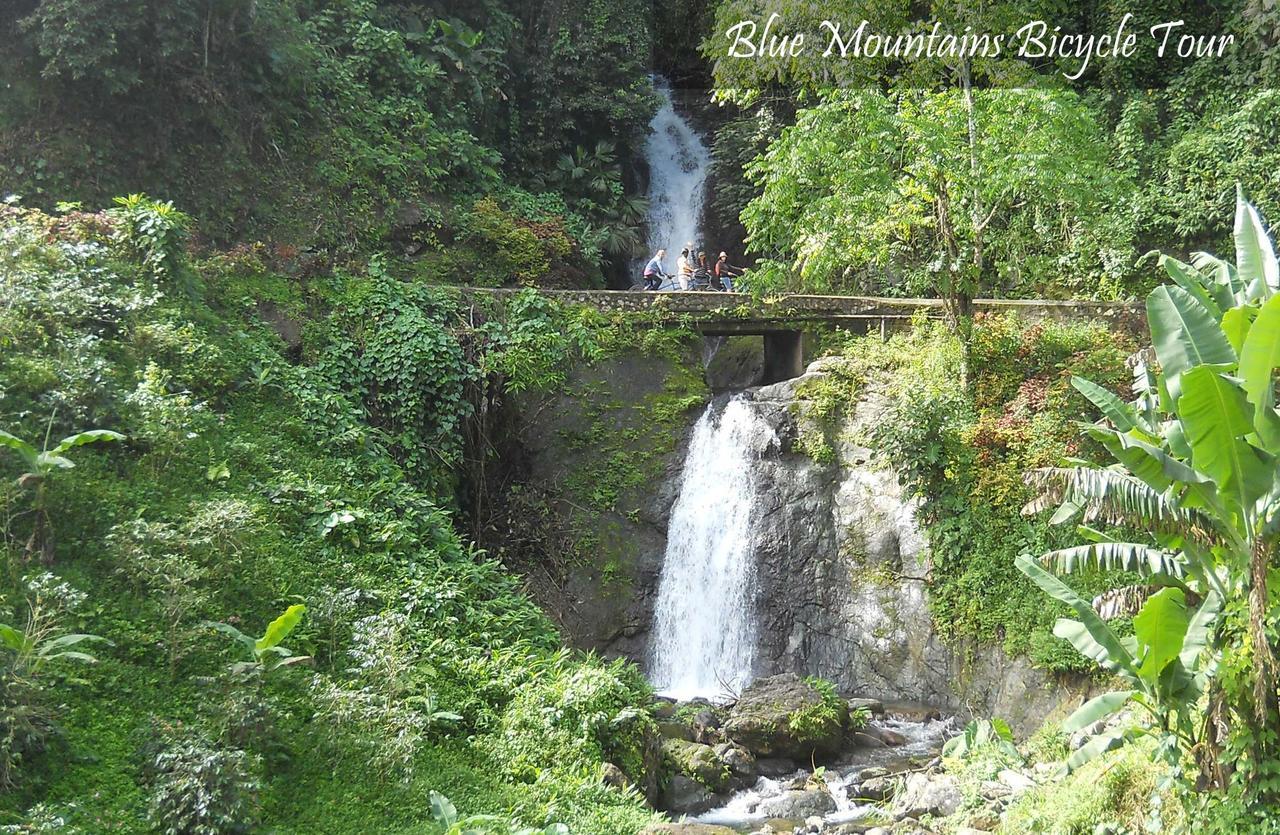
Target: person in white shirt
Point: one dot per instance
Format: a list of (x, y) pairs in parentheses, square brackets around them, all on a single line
[(684, 269)]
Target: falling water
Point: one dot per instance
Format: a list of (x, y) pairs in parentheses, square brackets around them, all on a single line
[(704, 630), (678, 163)]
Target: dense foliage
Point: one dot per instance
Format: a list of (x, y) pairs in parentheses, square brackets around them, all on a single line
[(993, 175), (1196, 472), (294, 497), (347, 126), (963, 451)]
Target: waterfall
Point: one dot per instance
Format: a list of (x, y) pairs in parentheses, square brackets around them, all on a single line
[(704, 619), (678, 163)]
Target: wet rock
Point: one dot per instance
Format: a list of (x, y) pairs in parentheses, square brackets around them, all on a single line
[(888, 736), (923, 794), (913, 712), (872, 706), (693, 759), (775, 767), (664, 708), (874, 789), (866, 740), (798, 805), (675, 729), (740, 762), (878, 830), (685, 796), (706, 726), (761, 720), (686, 829)]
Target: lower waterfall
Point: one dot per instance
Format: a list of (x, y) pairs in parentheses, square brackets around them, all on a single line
[(704, 631)]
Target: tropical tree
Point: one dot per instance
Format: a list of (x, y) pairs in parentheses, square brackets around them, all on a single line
[(1196, 472), (955, 193), (40, 467)]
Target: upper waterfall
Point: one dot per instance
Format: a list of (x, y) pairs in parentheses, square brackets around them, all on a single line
[(678, 164), (704, 632)]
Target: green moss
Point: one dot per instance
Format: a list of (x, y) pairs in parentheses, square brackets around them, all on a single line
[(816, 721)]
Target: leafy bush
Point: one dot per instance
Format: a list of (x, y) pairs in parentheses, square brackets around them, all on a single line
[(815, 721), (27, 710), (197, 788)]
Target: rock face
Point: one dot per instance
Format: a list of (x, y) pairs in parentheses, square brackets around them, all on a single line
[(840, 558), (769, 720), (842, 563)]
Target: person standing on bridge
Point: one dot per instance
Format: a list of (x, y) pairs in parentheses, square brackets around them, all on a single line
[(725, 274), (654, 272), (684, 269)]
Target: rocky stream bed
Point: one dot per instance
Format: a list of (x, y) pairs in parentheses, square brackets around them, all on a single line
[(786, 758)]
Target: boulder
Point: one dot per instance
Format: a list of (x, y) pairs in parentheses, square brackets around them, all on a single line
[(675, 729), (684, 796), (663, 708), (1016, 781), (741, 764), (693, 759), (686, 829), (798, 805), (874, 789), (775, 717), (937, 795), (887, 735), (873, 706), (866, 740), (775, 766), (706, 725)]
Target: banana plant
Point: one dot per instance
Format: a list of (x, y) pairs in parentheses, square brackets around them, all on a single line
[(40, 466), (446, 814), (265, 652), (1197, 468), (34, 648)]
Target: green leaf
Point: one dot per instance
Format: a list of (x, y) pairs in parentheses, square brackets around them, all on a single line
[(1096, 708), (442, 809), (1160, 627), (1200, 631), (1216, 416), (280, 628), (1236, 323), (1116, 410), (1126, 556), (1095, 747), (1093, 638), (1258, 361), (228, 629), (1184, 335), (26, 450), (1191, 280), (12, 638), (1255, 259), (89, 436)]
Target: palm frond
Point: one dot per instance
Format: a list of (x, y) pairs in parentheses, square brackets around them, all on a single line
[(1123, 556)]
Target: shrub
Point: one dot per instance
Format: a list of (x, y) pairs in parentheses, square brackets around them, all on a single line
[(197, 788)]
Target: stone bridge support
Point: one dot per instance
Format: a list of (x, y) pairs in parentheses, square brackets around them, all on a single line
[(783, 355)]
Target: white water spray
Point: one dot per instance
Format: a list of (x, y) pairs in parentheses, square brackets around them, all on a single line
[(704, 631), (678, 164)]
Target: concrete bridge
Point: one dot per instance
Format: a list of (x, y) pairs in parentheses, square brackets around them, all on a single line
[(783, 320)]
